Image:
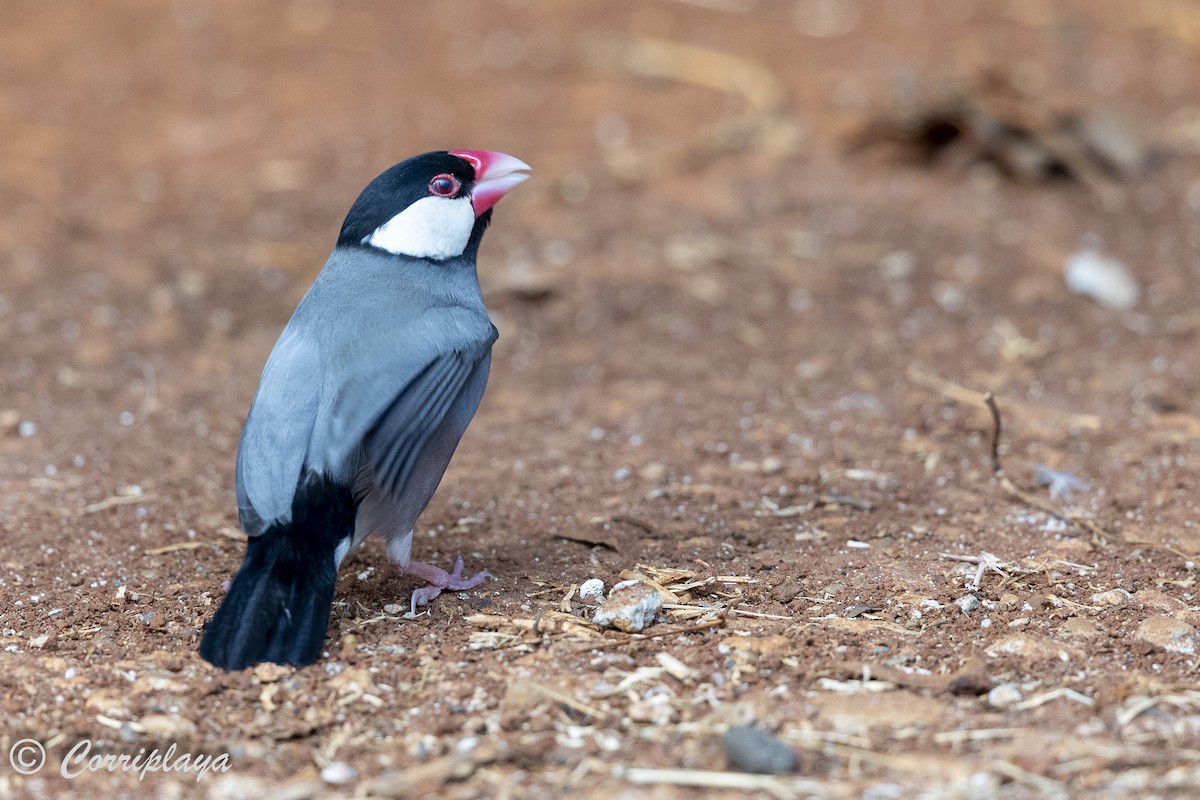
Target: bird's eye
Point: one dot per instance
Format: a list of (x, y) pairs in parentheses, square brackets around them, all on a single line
[(444, 185)]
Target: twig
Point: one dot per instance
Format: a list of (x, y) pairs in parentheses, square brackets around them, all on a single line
[(710, 779), (566, 700), (589, 541), (970, 397), (1040, 782), (81, 632), (858, 504), (989, 399), (373, 620), (1134, 708), (115, 500), (956, 738), (716, 622), (642, 675), (985, 561), (564, 605), (1054, 694), (171, 548), (1099, 535), (735, 612)]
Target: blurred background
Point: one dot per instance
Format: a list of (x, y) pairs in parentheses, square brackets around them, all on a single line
[(771, 248), (734, 199)]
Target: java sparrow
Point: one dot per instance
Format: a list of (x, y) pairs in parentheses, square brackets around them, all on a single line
[(361, 404)]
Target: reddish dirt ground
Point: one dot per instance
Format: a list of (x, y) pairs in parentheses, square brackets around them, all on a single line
[(731, 345)]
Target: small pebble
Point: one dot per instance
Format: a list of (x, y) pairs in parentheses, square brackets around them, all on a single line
[(270, 673), (630, 607), (1113, 597), (653, 471), (1103, 279), (750, 749), (1172, 635), (592, 589), (771, 465), (167, 727), (1004, 696), (968, 603), (338, 772), (656, 710)]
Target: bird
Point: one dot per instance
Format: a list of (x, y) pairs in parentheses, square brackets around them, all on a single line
[(362, 403)]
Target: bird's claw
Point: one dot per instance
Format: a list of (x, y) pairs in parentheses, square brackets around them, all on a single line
[(439, 580)]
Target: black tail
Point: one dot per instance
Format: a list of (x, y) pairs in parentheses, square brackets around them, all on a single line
[(278, 606)]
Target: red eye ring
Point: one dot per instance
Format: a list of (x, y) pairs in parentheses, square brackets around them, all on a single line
[(444, 185)]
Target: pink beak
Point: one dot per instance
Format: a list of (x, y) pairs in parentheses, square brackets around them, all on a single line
[(495, 174)]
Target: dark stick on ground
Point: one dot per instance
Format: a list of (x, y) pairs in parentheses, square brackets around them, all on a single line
[(990, 400), (1099, 535)]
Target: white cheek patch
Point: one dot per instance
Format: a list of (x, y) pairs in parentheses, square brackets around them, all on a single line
[(432, 227)]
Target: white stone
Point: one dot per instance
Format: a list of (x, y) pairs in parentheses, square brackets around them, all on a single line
[(1170, 634), (1103, 279), (592, 589), (630, 607), (1004, 696), (338, 772)]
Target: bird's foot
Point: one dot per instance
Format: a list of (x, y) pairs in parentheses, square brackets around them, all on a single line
[(439, 580)]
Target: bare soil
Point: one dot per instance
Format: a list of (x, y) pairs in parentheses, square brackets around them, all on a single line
[(739, 357)]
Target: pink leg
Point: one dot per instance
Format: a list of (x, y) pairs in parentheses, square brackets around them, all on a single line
[(438, 579)]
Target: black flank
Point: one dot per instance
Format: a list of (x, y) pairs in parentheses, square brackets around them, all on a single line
[(278, 606)]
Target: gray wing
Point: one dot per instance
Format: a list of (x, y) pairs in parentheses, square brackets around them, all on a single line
[(393, 407), (395, 443), (278, 429)]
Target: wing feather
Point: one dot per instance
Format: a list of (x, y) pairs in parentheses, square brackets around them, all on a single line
[(397, 438), (277, 432)]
